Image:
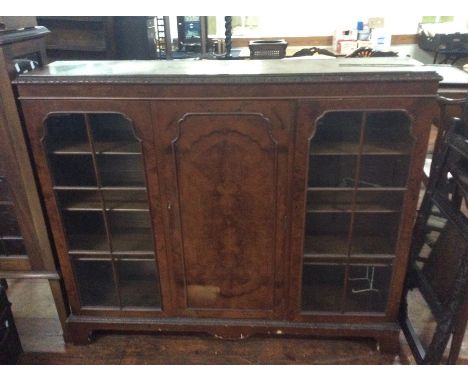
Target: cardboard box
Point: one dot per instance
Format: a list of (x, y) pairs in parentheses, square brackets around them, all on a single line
[(364, 44), (341, 38), (381, 39), (346, 46)]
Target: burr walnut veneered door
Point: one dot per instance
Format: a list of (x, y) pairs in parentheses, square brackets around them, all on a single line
[(225, 172)]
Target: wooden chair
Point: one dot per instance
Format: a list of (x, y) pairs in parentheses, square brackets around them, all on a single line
[(439, 253)]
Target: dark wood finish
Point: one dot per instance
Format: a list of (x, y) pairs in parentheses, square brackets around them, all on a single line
[(80, 37), (225, 177), (226, 152), (17, 171), (135, 37)]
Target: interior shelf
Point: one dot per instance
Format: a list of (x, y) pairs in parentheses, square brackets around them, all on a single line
[(134, 200), (77, 47), (137, 283), (340, 171), (12, 246), (343, 259), (94, 188), (139, 243), (352, 148), (366, 288), (363, 201), (72, 18), (102, 148), (338, 244)]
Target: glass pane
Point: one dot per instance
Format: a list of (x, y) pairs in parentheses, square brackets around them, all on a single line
[(369, 200), (322, 287), (329, 201), (139, 286), (86, 231), (14, 247), (383, 171), (113, 134), (368, 287), (387, 132), (121, 171), (5, 195), (79, 200), (8, 223), (332, 171), (131, 232), (66, 134), (327, 233), (115, 200), (96, 283), (72, 170), (375, 233), (337, 133)]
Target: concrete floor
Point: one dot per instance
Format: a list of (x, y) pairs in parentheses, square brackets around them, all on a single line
[(41, 337)]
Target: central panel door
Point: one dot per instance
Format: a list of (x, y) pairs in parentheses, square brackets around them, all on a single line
[(225, 169)]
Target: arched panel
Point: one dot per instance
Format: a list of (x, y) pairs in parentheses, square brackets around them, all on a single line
[(227, 179)]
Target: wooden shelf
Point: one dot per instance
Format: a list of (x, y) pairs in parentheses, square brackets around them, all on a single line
[(336, 259), (95, 19), (102, 148), (94, 188), (114, 201), (77, 47), (352, 148), (331, 189), (121, 206), (11, 237), (346, 207), (123, 243), (338, 244), (366, 201), (132, 295)]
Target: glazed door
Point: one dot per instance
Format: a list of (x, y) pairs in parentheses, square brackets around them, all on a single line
[(95, 161), (224, 166), (358, 168)]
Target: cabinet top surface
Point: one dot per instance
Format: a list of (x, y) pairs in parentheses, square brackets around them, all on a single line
[(231, 71)]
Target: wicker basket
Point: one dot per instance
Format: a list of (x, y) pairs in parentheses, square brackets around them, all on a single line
[(264, 49)]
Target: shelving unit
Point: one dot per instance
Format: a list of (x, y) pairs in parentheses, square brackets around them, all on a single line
[(11, 240), (79, 37)]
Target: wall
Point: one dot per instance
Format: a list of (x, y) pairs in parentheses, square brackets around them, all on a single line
[(307, 24)]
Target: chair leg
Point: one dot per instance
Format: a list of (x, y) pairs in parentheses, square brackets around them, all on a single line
[(458, 335)]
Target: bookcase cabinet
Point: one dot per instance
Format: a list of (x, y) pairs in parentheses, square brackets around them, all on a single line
[(234, 198), (26, 251)]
